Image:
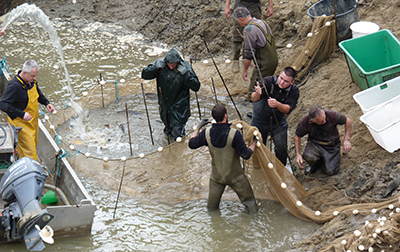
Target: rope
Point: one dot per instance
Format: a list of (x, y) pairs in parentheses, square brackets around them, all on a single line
[(41, 112), (116, 91), (4, 164), (66, 104), (61, 153), (3, 65), (57, 140)]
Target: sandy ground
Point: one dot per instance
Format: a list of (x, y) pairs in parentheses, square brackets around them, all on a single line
[(366, 170)]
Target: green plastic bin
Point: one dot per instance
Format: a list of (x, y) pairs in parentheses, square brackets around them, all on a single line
[(372, 59)]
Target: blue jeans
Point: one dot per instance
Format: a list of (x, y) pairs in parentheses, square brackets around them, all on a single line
[(279, 136)]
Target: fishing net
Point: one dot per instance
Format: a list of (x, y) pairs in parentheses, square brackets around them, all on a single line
[(321, 42), (175, 173)]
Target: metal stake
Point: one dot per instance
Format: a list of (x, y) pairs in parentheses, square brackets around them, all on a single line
[(129, 131), (147, 113)]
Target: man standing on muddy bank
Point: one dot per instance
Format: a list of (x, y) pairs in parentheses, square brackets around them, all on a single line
[(20, 102), (259, 46), (174, 78), (254, 8), (226, 145), (323, 144), (270, 107)]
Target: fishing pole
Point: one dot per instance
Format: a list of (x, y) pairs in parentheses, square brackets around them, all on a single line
[(119, 190), (222, 79), (147, 113)]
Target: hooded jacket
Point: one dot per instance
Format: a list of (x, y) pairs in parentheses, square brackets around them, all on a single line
[(173, 87)]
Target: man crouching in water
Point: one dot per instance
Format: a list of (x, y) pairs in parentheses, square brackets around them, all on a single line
[(225, 146)]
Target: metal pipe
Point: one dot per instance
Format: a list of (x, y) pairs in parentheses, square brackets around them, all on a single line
[(102, 96), (195, 93), (223, 82), (215, 92), (129, 131), (119, 190), (147, 113)]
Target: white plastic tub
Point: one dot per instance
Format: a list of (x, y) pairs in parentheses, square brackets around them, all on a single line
[(361, 28), (384, 124), (372, 97)]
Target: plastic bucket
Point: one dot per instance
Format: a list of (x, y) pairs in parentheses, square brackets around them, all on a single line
[(362, 28), (346, 14)]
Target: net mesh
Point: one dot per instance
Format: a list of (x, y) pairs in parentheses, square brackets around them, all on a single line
[(176, 173), (321, 42)]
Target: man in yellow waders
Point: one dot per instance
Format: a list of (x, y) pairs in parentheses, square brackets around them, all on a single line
[(20, 102), (226, 145)]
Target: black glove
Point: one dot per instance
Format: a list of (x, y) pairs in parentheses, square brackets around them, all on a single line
[(202, 123)]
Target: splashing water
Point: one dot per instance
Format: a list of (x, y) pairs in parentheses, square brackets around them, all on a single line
[(34, 13), (31, 12)]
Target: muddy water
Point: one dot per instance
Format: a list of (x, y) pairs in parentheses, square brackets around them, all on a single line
[(186, 226)]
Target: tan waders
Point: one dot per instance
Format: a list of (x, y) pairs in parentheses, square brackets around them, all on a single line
[(226, 170)]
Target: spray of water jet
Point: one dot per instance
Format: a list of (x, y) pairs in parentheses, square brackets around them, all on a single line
[(30, 12)]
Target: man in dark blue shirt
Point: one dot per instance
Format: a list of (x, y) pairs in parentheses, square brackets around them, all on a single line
[(225, 146), (270, 107)]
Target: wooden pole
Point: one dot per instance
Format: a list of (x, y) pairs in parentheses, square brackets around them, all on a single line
[(215, 92), (195, 93), (119, 190), (129, 131), (147, 113), (102, 96), (223, 82)]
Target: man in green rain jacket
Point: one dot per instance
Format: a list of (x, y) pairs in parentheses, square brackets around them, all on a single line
[(174, 79)]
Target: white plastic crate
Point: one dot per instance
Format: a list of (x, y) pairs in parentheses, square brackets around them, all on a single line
[(383, 123), (372, 97)]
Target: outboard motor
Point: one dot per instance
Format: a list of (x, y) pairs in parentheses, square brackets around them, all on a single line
[(21, 188)]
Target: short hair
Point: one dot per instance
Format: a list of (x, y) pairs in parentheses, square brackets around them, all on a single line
[(241, 12), (29, 65), (315, 111), (289, 71), (218, 112)]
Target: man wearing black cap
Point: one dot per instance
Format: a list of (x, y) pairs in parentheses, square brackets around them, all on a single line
[(174, 79)]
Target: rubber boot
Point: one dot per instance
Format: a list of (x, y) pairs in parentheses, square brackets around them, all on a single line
[(236, 50)]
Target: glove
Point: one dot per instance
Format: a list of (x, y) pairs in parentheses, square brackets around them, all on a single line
[(159, 64), (182, 69), (202, 123)]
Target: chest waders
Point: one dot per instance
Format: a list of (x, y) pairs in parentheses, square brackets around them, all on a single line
[(266, 57), (226, 170), (28, 136)]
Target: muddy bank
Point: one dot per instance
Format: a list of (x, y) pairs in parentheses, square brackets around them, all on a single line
[(366, 172)]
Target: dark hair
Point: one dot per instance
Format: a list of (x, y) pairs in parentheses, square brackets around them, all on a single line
[(218, 112), (289, 71), (241, 12), (315, 111)]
